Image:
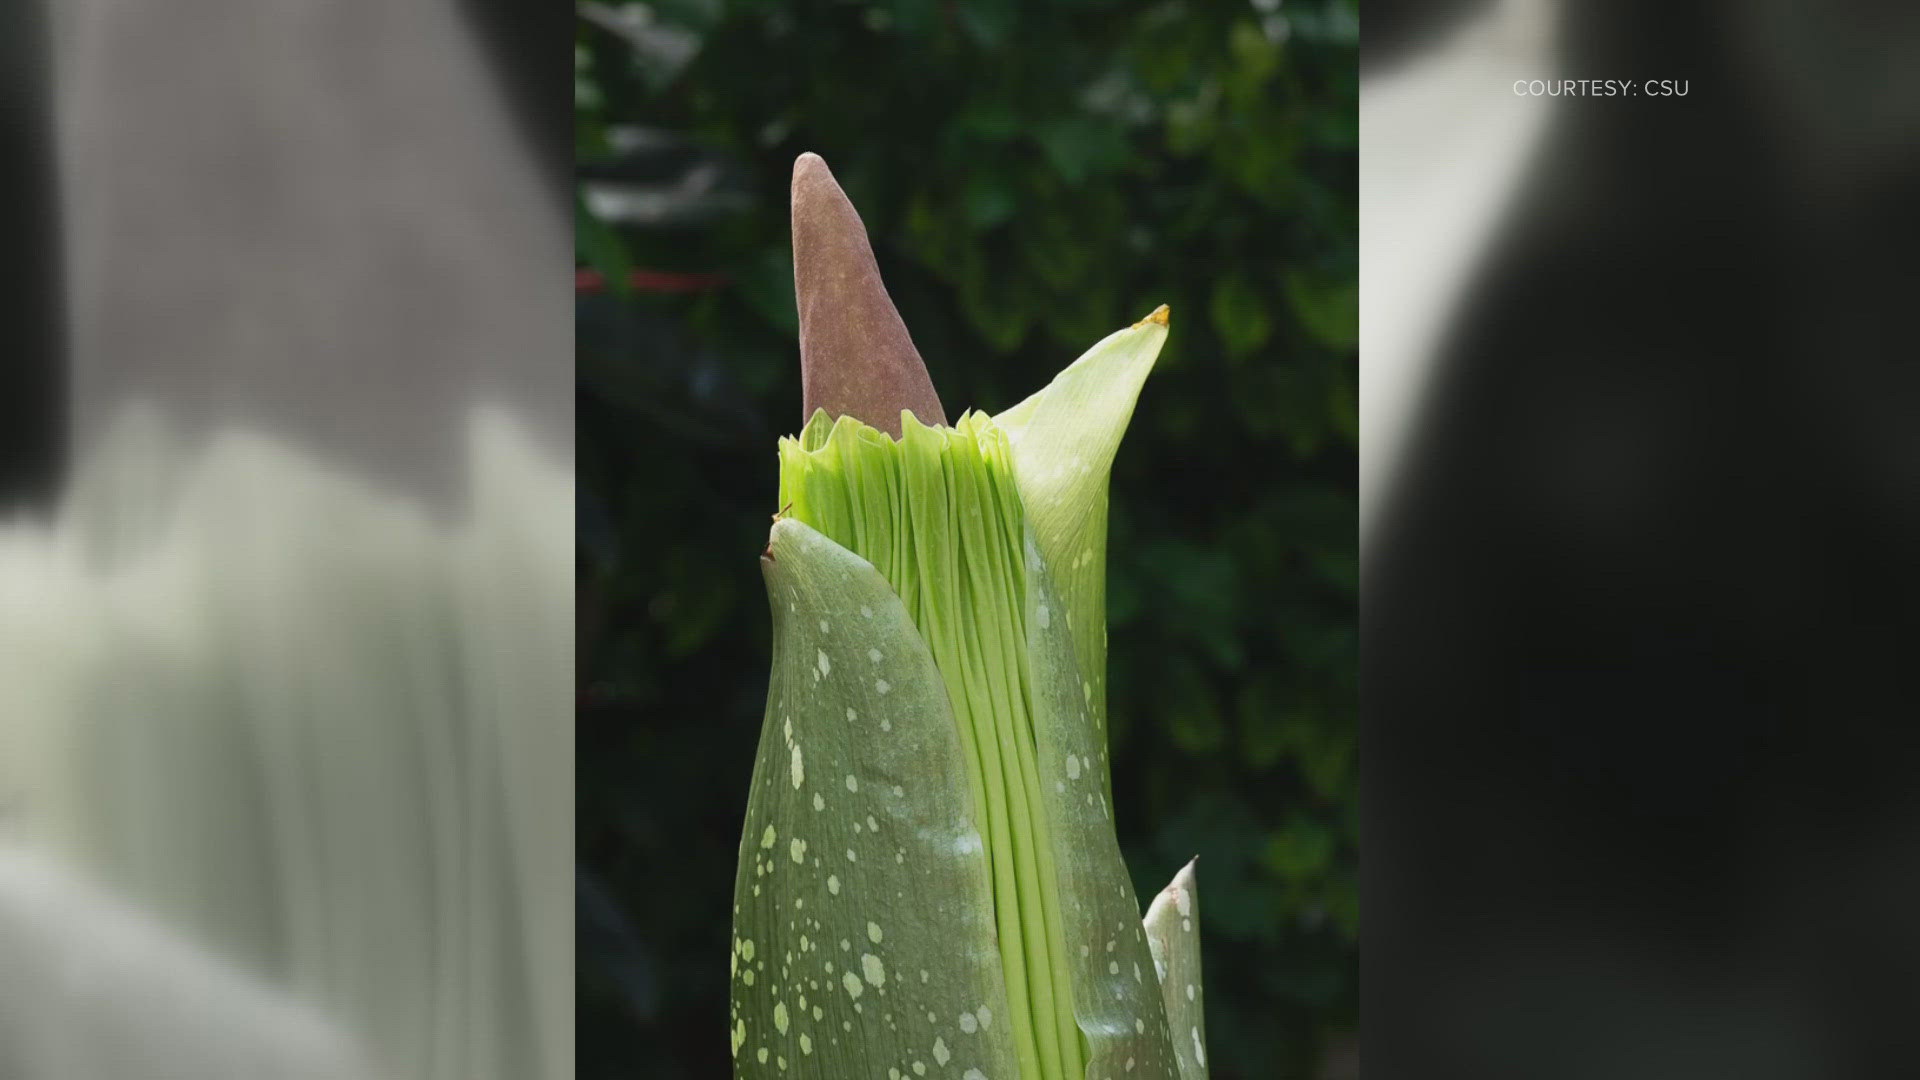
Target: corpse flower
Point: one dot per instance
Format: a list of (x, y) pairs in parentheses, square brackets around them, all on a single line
[(929, 880)]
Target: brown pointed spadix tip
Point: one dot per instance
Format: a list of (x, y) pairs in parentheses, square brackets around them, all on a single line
[(856, 358)]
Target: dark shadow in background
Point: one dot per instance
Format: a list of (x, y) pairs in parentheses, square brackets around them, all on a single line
[(1399, 29), (32, 406), (529, 44), (1640, 630)]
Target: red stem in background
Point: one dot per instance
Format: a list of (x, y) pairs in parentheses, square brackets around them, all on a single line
[(586, 280)]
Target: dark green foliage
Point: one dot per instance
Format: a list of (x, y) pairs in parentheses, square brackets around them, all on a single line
[(1034, 176)]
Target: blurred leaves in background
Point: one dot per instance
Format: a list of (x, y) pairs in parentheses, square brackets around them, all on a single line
[(1034, 175)]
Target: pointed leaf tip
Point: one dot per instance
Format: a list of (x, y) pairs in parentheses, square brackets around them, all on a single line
[(856, 357), (1160, 317), (1172, 925)]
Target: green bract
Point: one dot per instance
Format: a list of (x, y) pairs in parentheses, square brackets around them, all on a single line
[(1173, 935)]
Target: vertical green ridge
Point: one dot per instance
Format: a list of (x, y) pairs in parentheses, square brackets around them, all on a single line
[(1064, 439)]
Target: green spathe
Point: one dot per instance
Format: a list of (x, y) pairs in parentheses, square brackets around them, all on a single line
[(987, 541)]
